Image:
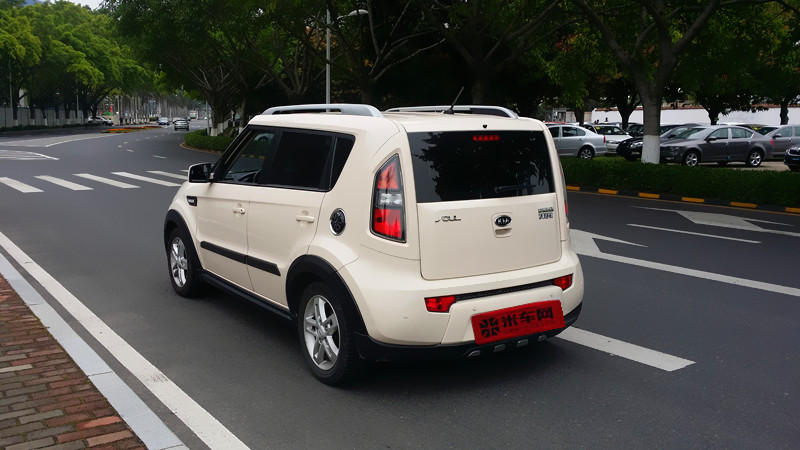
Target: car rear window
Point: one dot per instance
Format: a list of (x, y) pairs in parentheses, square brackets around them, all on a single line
[(467, 165)]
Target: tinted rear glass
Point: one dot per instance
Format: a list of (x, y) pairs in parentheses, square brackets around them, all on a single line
[(466, 165)]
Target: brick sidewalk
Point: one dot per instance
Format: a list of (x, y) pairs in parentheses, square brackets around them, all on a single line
[(46, 401)]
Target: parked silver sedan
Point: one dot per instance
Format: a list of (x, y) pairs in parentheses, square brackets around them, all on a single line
[(573, 140)]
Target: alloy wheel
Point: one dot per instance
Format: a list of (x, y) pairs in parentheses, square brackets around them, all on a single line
[(321, 332)]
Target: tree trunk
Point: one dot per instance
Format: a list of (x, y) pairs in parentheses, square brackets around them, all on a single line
[(784, 110), (651, 144)]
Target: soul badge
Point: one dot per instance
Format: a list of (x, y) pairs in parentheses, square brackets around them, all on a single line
[(546, 213)]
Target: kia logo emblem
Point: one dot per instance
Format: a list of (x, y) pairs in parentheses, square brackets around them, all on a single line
[(502, 221)]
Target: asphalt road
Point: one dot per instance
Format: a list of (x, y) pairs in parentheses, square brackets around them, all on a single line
[(715, 288)]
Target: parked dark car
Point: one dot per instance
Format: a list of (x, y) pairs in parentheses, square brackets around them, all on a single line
[(792, 158), (631, 149), (783, 137), (717, 143)]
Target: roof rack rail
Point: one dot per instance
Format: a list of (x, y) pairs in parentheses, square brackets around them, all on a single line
[(464, 109), (342, 108)]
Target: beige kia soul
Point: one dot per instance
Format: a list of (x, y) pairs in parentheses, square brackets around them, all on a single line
[(427, 232)]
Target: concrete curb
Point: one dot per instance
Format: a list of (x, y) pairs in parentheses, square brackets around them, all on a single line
[(678, 198)]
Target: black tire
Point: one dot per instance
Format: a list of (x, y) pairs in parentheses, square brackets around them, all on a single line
[(794, 168), (754, 158), (326, 339), (183, 264), (691, 158), (586, 153)]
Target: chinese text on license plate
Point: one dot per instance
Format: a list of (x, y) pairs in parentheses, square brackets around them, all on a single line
[(517, 321)]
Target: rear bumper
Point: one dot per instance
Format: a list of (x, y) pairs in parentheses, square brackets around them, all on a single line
[(373, 350)]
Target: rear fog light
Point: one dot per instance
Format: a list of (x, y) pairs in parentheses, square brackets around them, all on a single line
[(563, 282), (440, 304)]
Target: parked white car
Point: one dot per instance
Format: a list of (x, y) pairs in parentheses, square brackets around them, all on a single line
[(385, 235), (613, 133)]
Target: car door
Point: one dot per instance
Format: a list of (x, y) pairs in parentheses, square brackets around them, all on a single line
[(572, 138), (284, 216), (783, 139), (222, 208), (556, 133), (715, 146), (739, 145)]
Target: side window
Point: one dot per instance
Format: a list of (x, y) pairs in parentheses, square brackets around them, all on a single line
[(796, 131), (247, 163), (722, 133), (572, 132), (553, 131), (785, 132), (738, 133), (302, 159)]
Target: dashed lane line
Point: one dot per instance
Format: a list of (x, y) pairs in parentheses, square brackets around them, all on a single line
[(146, 179), (625, 350)]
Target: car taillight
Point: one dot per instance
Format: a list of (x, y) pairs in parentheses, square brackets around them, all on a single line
[(440, 304), (604, 139), (563, 282), (388, 208)]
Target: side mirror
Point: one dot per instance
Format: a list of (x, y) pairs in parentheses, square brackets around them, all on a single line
[(200, 173), (777, 135), (711, 139)]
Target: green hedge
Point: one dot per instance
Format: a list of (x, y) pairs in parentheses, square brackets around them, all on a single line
[(200, 139), (762, 187)]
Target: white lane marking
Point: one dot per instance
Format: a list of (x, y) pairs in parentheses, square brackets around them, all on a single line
[(64, 183), (585, 241), (728, 221), (592, 250), (116, 183), (18, 155), (167, 174), (152, 430), (203, 424), (625, 350), (18, 185), (694, 234), (159, 157), (51, 141), (147, 179)]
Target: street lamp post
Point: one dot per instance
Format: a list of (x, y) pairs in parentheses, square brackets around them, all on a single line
[(357, 12)]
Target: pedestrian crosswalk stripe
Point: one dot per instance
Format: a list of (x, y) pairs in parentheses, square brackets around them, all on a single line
[(18, 155), (22, 187), (167, 174), (64, 183), (116, 183), (147, 179)]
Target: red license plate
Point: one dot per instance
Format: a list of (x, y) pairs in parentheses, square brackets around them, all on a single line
[(517, 321)]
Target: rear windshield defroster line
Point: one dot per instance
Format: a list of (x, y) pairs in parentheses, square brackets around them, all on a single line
[(470, 165)]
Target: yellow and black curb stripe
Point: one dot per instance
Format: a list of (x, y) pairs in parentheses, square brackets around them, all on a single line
[(679, 198)]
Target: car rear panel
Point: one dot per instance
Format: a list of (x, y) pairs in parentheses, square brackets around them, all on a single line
[(486, 202)]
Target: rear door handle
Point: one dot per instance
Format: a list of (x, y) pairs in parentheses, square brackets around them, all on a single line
[(239, 210), (309, 219)]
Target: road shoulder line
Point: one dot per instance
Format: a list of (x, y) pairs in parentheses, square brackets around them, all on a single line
[(142, 420), (203, 424)]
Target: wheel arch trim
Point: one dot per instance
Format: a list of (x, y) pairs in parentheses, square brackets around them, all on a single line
[(308, 268)]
